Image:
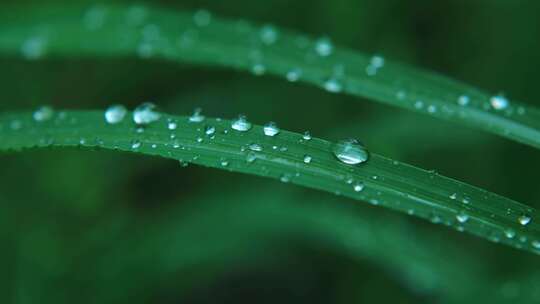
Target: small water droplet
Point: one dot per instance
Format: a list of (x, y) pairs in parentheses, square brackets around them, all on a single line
[(524, 220), (172, 125), (268, 34), (34, 48), (115, 114), (324, 47), (293, 75), (199, 139), (510, 233), (136, 144), (536, 244), (499, 102), (271, 129), (462, 217), (377, 61), (285, 178), (351, 152), (463, 100), (202, 18), (432, 109), (258, 69), (251, 157), (306, 136), (453, 196), (209, 130), (358, 187), (43, 113), (145, 114), (196, 116), (255, 147), (307, 159), (333, 85), (224, 163), (241, 124)]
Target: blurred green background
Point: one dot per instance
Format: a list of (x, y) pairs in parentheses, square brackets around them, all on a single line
[(105, 227)]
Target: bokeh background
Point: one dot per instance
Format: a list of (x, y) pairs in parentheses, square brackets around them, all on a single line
[(107, 227)]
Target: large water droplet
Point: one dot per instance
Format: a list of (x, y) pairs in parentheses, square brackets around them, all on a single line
[(196, 116), (271, 129), (306, 136), (241, 124), (115, 114), (524, 220), (43, 113), (324, 47), (351, 152), (145, 114), (499, 102)]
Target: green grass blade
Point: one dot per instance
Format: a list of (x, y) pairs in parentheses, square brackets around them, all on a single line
[(203, 39), (387, 183)]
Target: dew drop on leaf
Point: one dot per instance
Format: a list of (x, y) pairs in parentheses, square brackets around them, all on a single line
[(307, 159), (136, 144), (171, 125), (268, 34), (209, 130), (115, 114), (499, 102), (510, 233), (463, 100), (462, 217), (358, 187), (324, 47), (293, 75), (255, 147), (43, 113), (351, 152), (524, 220), (306, 136), (333, 85), (271, 129), (34, 48), (196, 116), (241, 124), (202, 18), (145, 114)]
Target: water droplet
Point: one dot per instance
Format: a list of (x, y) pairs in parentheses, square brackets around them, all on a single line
[(358, 187), (115, 114), (418, 104), (463, 100), (258, 69), (255, 147), (432, 109), (209, 130), (224, 163), (510, 233), (499, 102), (271, 129), (324, 47), (43, 113), (377, 61), (307, 159), (251, 157), (453, 196), (171, 125), (351, 152), (145, 114), (524, 220), (34, 48), (401, 95), (199, 139), (536, 244), (202, 18), (196, 116), (293, 75), (135, 144), (333, 85), (285, 178), (241, 124), (306, 136), (268, 34), (462, 217)]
